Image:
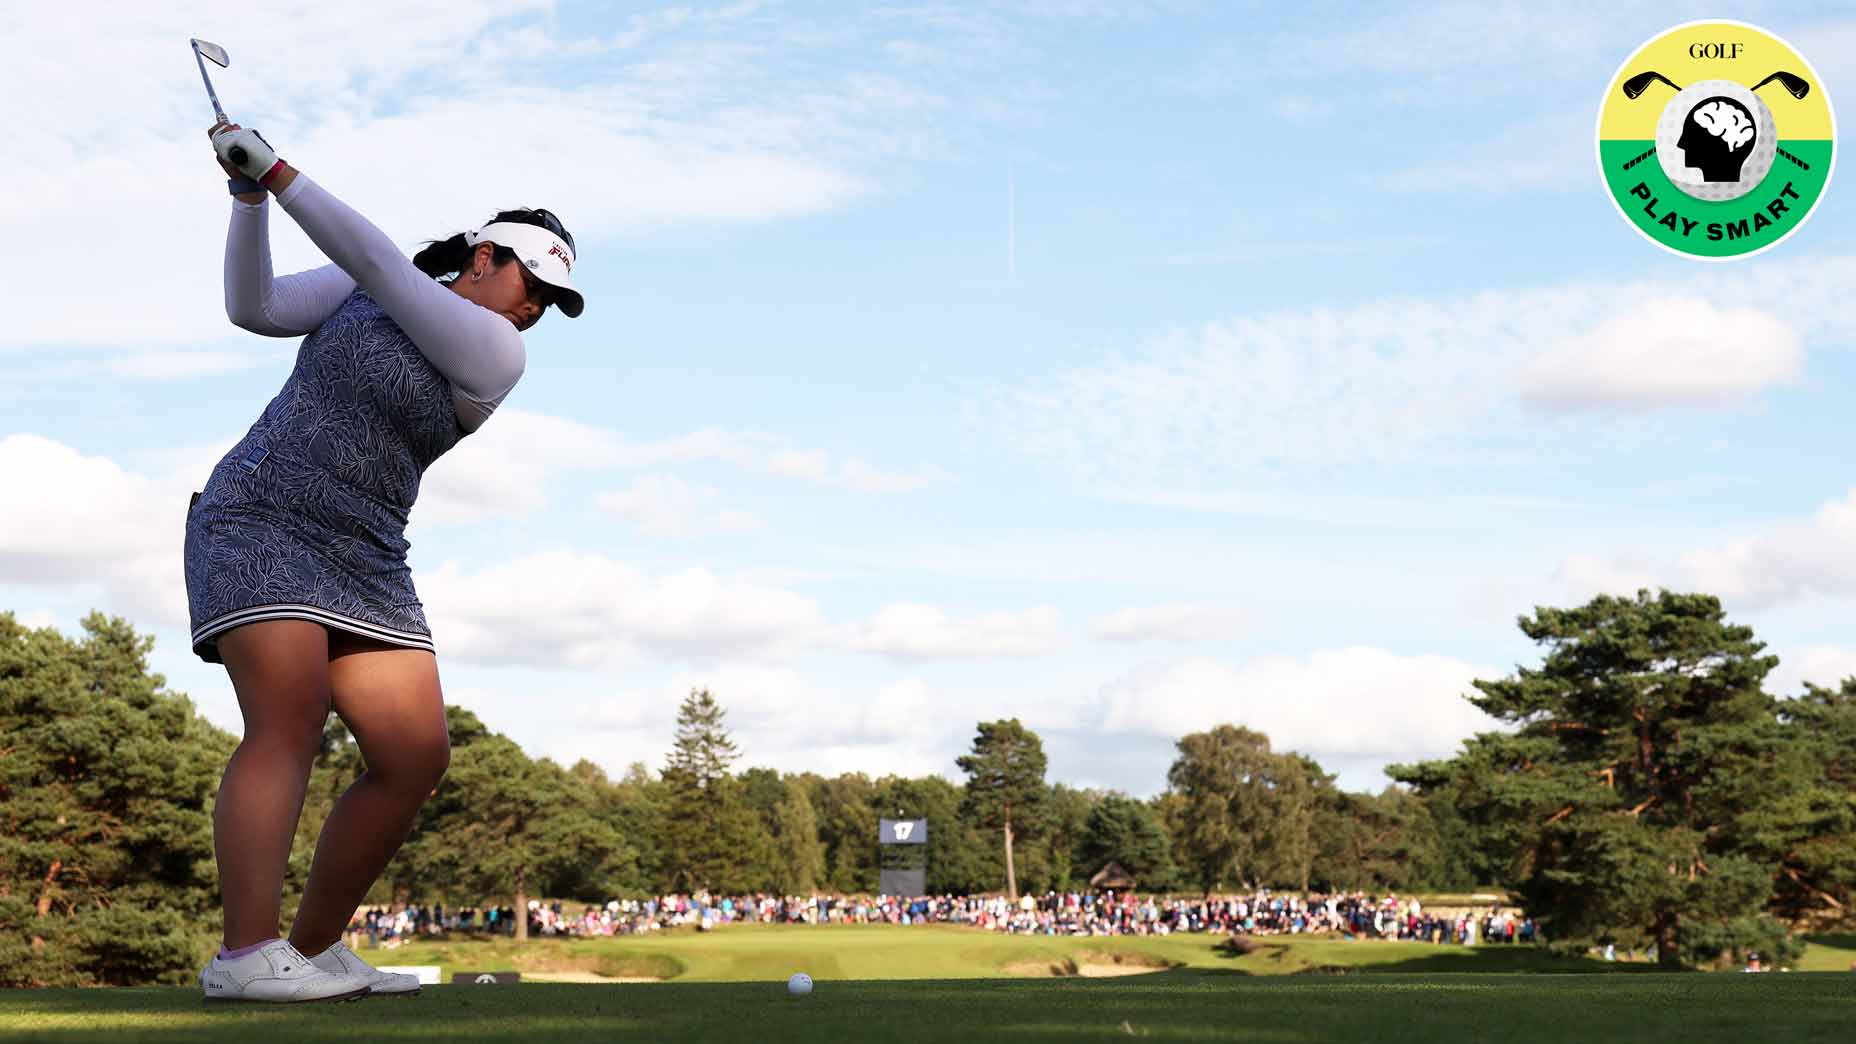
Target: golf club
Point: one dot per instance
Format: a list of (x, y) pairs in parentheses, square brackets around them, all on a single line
[(1639, 83), (217, 55), (1792, 82)]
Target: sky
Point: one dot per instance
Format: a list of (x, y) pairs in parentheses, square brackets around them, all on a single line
[(1125, 368)]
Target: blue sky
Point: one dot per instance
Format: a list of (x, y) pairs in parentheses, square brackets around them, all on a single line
[(1126, 368)]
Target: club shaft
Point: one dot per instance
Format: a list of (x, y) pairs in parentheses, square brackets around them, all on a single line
[(210, 93)]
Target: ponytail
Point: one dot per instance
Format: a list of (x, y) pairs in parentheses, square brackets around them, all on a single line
[(443, 257)]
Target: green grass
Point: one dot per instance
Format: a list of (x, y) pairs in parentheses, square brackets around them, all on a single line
[(968, 985), (878, 952), (1829, 953), (1188, 1004)]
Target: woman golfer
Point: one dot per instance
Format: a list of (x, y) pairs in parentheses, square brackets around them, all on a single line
[(296, 553)]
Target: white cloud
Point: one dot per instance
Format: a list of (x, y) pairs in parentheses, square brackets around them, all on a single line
[(503, 469), (719, 120), (1351, 702), (70, 521), (1669, 351), (506, 467), (810, 465), (1582, 576), (1786, 563), (1822, 665), (779, 717), (664, 505), (863, 477), (1171, 623), (909, 631), (1387, 379), (853, 473), (586, 610), (36, 619)]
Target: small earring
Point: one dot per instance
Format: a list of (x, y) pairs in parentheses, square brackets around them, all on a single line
[(477, 276)]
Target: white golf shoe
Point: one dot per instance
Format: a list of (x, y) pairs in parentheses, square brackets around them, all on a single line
[(340, 960), (276, 973)]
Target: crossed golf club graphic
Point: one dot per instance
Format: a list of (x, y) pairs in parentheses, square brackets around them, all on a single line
[(1636, 85)]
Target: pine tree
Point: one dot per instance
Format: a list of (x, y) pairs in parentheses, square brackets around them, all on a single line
[(1643, 790), (107, 781), (1005, 783), (1817, 854), (707, 820)]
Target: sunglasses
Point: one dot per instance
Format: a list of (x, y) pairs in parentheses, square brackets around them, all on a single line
[(553, 224), (541, 291)]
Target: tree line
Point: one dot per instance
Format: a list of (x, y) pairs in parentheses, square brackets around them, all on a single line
[(1644, 790)]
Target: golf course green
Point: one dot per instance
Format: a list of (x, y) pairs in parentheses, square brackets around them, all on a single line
[(939, 983)]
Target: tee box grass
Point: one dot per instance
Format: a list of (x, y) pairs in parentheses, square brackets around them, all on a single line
[(885, 983)]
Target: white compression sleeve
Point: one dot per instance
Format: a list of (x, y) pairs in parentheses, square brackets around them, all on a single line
[(478, 351), (287, 307)]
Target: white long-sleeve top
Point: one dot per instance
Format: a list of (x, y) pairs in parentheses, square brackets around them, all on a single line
[(477, 350)]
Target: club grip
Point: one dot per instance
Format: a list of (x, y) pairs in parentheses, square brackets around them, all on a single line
[(237, 155)]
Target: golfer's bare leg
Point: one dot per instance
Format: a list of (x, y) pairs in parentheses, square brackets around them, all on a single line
[(279, 669), (390, 699)]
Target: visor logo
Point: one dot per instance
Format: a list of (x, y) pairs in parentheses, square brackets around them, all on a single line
[(566, 259)]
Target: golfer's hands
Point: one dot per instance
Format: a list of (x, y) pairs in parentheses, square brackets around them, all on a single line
[(231, 171), (258, 155)]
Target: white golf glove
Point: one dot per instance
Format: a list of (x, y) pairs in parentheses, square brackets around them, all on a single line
[(259, 156)]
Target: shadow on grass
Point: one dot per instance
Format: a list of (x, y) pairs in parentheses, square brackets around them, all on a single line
[(1484, 962)]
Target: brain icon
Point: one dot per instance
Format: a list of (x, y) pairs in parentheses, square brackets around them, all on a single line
[(1726, 121)]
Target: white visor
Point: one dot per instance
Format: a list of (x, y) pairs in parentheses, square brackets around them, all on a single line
[(546, 256)]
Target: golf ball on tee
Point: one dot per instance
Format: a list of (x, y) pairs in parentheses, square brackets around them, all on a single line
[(799, 985)]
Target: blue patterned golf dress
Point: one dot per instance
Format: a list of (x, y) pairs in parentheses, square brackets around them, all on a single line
[(305, 519)]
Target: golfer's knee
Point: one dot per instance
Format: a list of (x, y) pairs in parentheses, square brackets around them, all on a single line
[(417, 761), (299, 733)]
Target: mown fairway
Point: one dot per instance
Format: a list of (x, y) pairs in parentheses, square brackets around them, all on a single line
[(867, 952), (729, 986), (1179, 1005), (873, 952)]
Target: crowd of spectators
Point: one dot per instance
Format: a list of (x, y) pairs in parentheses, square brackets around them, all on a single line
[(1353, 915)]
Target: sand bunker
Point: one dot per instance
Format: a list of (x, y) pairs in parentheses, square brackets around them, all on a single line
[(1105, 971), (1095, 966), (583, 977)]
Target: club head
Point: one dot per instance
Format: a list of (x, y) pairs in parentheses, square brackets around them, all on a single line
[(1797, 85), (1636, 85), (212, 52)]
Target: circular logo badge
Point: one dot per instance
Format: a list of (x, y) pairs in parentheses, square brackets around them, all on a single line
[(1740, 130)]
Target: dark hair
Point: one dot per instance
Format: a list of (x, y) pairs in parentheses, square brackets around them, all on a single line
[(444, 257)]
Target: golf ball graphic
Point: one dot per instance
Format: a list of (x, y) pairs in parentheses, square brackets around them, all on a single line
[(1716, 140), (799, 985)]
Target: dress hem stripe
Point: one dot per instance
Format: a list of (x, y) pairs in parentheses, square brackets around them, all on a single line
[(207, 632)]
